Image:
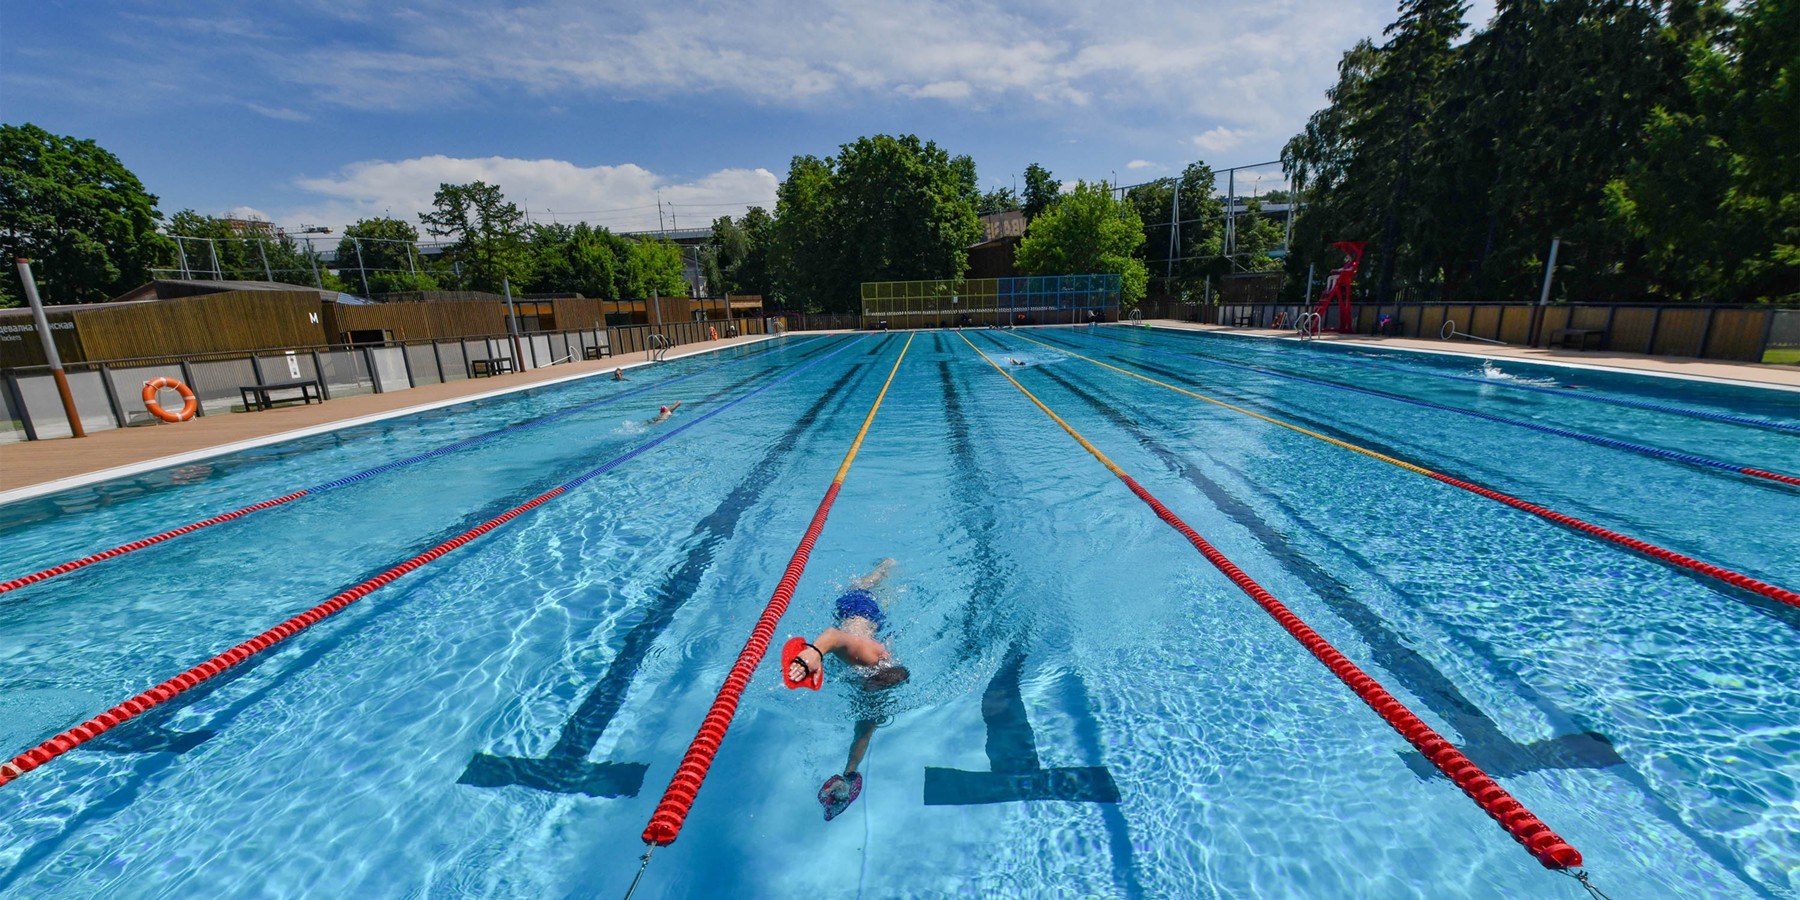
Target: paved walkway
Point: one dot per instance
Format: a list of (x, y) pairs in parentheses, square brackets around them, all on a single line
[(1710, 369), (34, 467)]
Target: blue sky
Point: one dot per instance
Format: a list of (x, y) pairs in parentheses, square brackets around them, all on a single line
[(322, 112)]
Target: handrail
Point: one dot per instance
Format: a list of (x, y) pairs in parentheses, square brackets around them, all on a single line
[(226, 355)]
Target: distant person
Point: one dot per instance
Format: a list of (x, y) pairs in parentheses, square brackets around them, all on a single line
[(619, 375), (853, 641), (1091, 318), (663, 413), (1016, 362)]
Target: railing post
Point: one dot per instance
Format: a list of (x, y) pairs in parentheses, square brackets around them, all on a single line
[(1655, 325), (406, 364), (437, 353), (1762, 349), (255, 370), (187, 378), (319, 373), (18, 402), (1706, 330), (374, 373), (112, 396)]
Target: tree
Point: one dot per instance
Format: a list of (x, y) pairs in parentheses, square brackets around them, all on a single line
[(72, 208), (1041, 190), (1087, 231), (576, 258), (885, 208), (736, 256), (489, 231), (1714, 197), (654, 267), (1254, 237), (1199, 239), (1000, 199), (382, 254)]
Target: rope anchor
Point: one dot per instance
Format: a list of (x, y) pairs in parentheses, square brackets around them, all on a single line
[(640, 873), (1580, 875)]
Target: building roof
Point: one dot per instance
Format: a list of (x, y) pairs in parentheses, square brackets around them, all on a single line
[(169, 289)]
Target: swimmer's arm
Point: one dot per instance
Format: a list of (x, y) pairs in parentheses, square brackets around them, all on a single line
[(875, 577)]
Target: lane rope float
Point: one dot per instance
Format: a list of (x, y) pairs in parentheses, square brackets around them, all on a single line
[(671, 812), (190, 405), (141, 543), (1689, 411), (1734, 579), (1526, 828), (168, 690), (1600, 440)]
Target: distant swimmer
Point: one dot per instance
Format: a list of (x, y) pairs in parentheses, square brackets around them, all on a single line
[(1016, 362), (619, 375), (663, 413), (853, 641)]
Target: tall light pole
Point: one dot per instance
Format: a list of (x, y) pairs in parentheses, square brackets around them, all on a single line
[(50, 354)]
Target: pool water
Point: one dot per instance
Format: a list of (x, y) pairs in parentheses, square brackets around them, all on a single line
[(1094, 710)]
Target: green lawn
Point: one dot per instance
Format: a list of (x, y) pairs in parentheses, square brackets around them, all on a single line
[(1782, 357)]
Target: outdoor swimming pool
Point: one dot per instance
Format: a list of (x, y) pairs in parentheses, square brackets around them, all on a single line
[(1094, 710)]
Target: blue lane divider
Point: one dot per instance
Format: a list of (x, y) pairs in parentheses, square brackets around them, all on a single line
[(1752, 421), (1614, 443), (634, 452), (471, 441)]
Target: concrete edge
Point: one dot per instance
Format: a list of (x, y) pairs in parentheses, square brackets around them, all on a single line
[(35, 491), (1616, 370)]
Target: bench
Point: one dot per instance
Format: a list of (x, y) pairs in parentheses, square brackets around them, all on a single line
[(590, 352), (1244, 321), (481, 368), (257, 396), (1561, 336)]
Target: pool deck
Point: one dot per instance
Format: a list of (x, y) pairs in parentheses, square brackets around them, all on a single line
[(1753, 374), (34, 468)]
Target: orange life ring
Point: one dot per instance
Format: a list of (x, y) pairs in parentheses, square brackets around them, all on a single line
[(712, 331), (189, 405)]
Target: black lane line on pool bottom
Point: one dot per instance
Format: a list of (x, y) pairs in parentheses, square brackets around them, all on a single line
[(565, 769), (973, 489), (1482, 739)]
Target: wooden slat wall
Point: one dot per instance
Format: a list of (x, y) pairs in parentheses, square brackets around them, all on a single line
[(232, 320), (418, 321), (1515, 324), (1630, 329), (1679, 332), (1737, 334)]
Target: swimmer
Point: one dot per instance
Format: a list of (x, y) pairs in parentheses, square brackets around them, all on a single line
[(663, 414), (619, 375), (853, 641), (1016, 362)]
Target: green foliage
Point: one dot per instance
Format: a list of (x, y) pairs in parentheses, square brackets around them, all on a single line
[(490, 243), (84, 220), (384, 256), (653, 267), (579, 259), (1255, 237), (884, 209), (1200, 238), (1715, 198), (736, 256), (1041, 190), (1088, 231), (1000, 199), (1657, 140)]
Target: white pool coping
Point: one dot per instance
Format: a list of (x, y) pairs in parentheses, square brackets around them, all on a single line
[(35, 491)]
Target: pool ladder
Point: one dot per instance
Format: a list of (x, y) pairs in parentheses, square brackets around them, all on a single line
[(658, 347)]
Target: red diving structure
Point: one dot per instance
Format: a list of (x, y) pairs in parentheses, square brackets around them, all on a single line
[(1337, 286)]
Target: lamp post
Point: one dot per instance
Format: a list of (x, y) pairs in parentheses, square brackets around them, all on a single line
[(50, 354)]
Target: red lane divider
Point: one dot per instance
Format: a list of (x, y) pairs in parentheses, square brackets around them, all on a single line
[(1735, 579), (1525, 827), (140, 544), (1546, 845), (205, 671), (671, 812), (678, 799), (1760, 473)]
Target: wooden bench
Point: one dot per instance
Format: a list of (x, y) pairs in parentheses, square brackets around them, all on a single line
[(257, 396), (1560, 337), (590, 352), (481, 368), (1244, 321)]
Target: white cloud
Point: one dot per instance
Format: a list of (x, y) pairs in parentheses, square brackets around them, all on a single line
[(1219, 139), (622, 197), (250, 213), (1139, 165), (278, 113)]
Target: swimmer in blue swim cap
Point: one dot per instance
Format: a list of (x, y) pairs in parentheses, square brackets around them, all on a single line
[(853, 640)]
